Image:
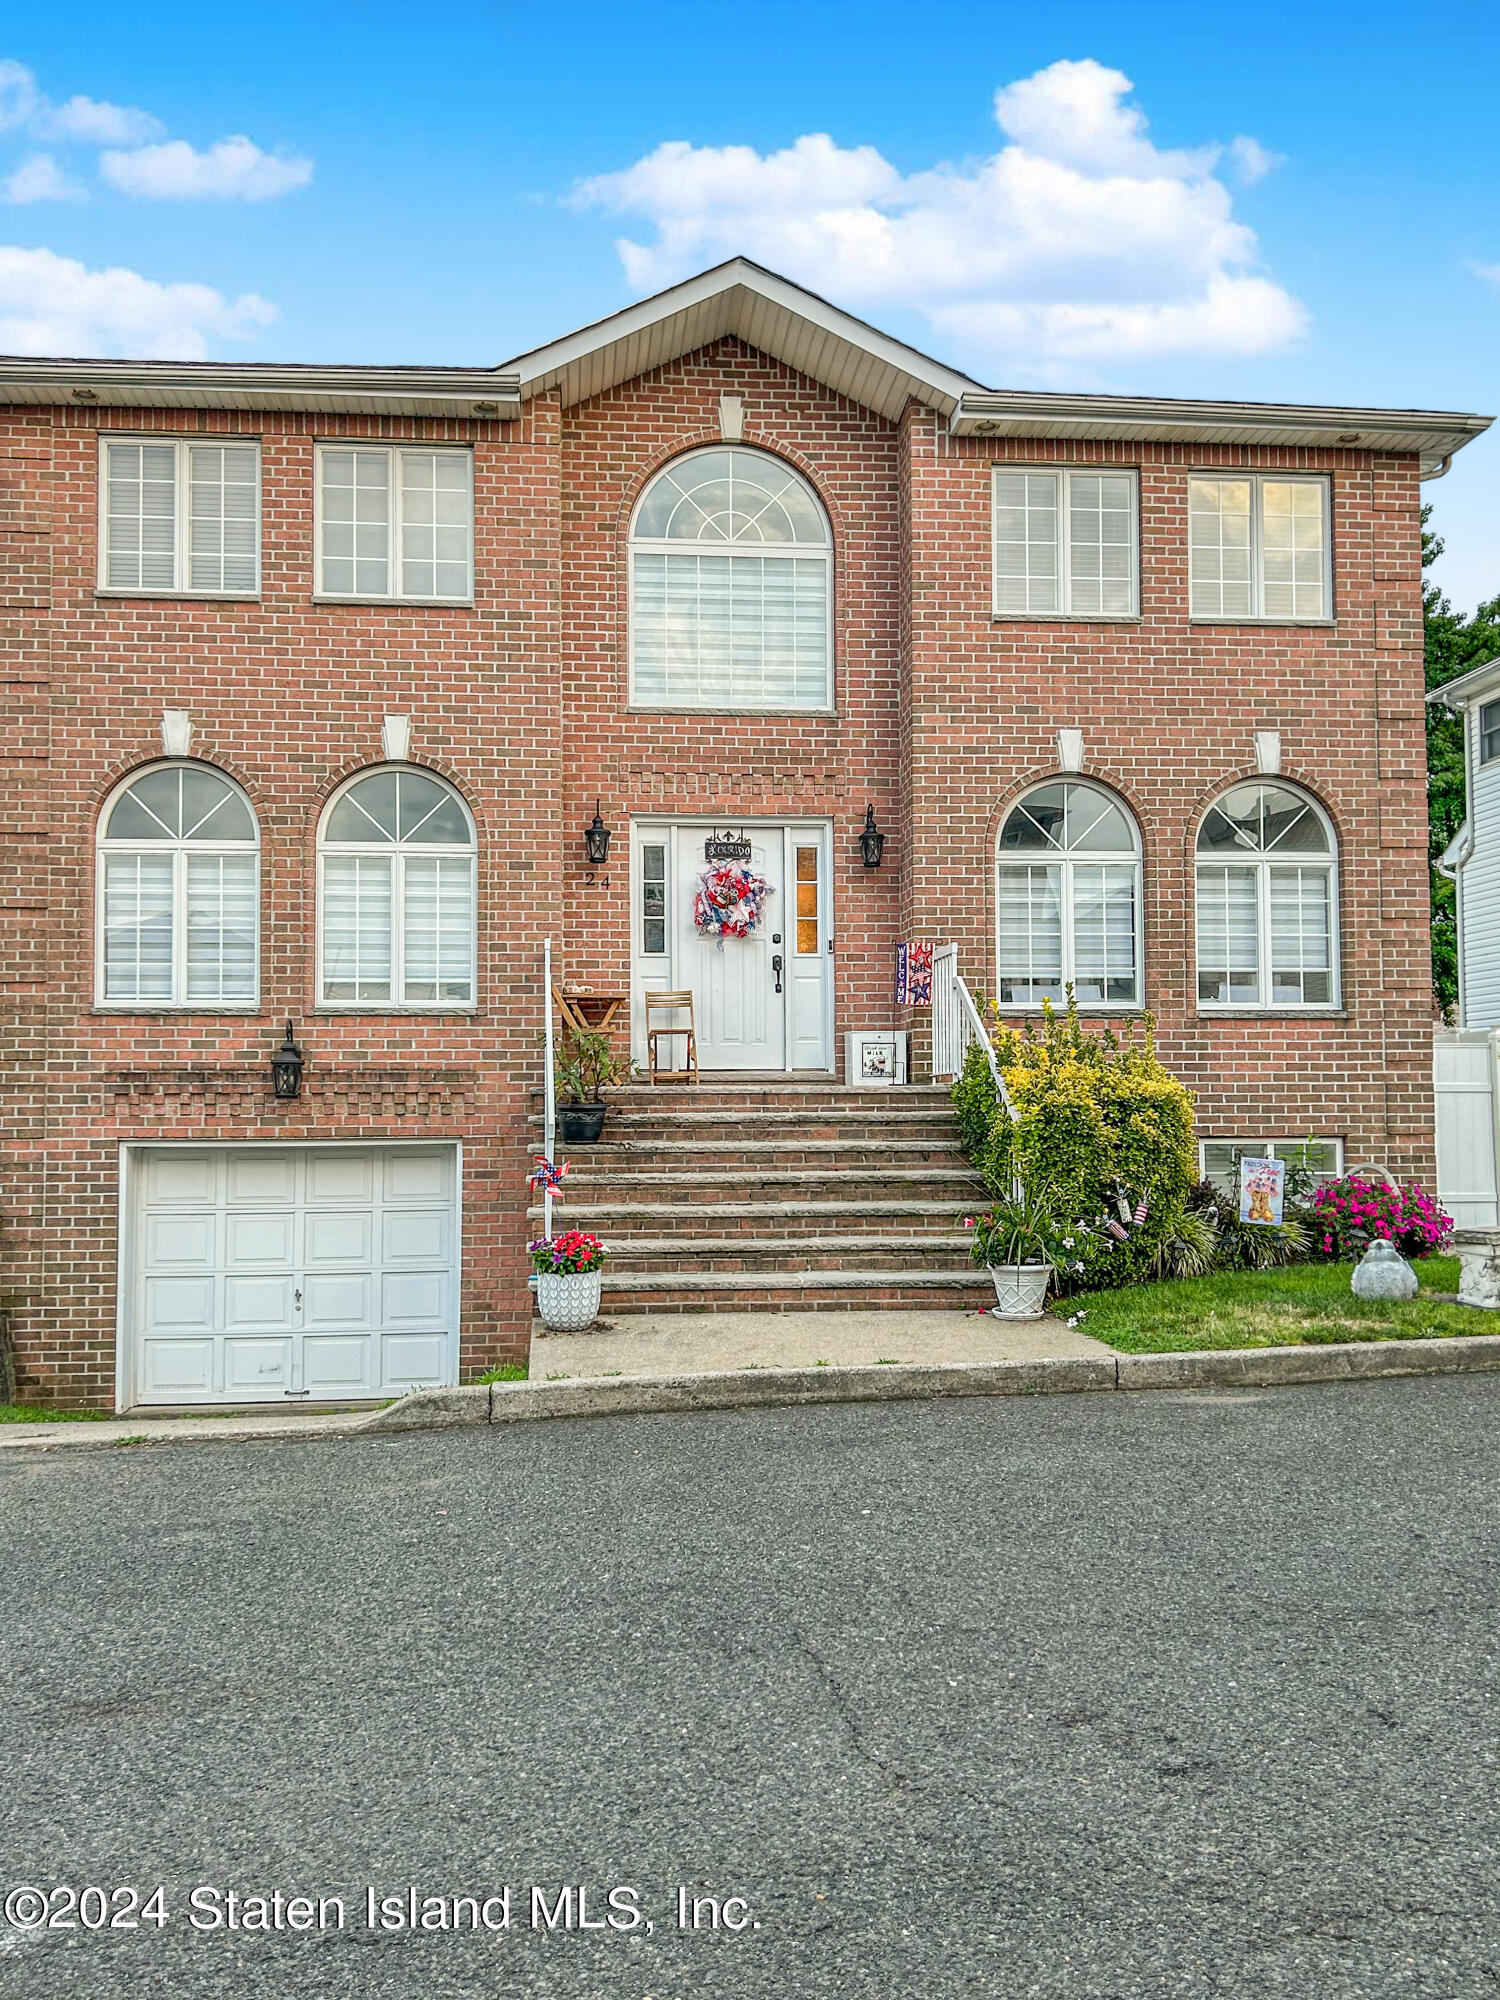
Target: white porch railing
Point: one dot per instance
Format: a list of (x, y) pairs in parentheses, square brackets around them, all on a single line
[(956, 1022), (549, 1083)]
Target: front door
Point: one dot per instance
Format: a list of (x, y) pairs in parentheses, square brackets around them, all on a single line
[(762, 1002), (741, 1016)]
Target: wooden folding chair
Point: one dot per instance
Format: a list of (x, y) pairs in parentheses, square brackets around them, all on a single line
[(570, 1014), (671, 1003)]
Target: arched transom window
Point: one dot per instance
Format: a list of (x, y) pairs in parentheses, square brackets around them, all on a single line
[(1267, 901), (396, 856), (1069, 899), (179, 891), (731, 577)]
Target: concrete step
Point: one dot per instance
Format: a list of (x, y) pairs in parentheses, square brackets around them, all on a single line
[(758, 1123), (695, 1255), (710, 1155), (694, 1186), (623, 1221), (852, 1290), (771, 1096)]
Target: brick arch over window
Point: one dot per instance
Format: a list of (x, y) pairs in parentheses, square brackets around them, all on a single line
[(730, 603)]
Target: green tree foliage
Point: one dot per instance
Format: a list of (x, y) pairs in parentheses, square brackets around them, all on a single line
[(1454, 643)]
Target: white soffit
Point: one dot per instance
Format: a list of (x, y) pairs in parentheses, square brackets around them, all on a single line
[(779, 318)]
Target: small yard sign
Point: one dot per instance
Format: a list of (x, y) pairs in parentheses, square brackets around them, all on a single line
[(1262, 1190)]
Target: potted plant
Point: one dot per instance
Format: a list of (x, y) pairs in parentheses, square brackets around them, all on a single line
[(584, 1066), (1020, 1245), (568, 1270)]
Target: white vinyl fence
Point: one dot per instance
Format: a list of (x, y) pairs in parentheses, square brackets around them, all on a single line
[(1466, 1084)]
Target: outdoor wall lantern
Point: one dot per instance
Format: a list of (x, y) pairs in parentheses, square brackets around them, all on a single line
[(596, 840), (286, 1067), (871, 841)]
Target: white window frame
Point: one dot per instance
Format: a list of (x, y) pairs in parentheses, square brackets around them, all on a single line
[(396, 854), (1263, 862), (1256, 481), (183, 495), (394, 523), (1064, 475), (1271, 1149), (1067, 859), (1488, 733), (179, 850), (780, 551)]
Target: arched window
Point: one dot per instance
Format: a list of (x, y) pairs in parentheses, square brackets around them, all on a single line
[(1267, 901), (179, 891), (731, 583), (396, 893), (1069, 899)]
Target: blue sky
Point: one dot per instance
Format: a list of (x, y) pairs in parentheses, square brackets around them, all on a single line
[(1291, 203)]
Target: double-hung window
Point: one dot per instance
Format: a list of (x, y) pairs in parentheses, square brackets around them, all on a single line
[(1258, 547), (396, 879), (1068, 900), (1267, 902), (179, 892), (1065, 544), (395, 521), (1219, 1159), (1489, 732), (180, 518)]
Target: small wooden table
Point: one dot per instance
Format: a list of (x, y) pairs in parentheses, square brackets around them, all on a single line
[(589, 1013)]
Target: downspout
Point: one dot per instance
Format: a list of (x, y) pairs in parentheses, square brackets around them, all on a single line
[(1439, 471)]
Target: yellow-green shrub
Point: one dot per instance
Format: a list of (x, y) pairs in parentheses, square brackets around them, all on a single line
[(1098, 1121)]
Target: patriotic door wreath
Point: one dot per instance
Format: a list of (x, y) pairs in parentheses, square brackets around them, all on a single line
[(728, 901)]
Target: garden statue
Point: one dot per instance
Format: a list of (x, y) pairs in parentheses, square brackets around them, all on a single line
[(1383, 1273)]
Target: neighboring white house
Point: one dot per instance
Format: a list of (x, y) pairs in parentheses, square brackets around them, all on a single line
[(1472, 859), (1466, 1059)]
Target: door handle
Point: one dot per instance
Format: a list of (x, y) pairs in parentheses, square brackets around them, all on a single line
[(776, 968)]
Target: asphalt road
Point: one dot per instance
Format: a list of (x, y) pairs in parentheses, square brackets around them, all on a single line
[(1071, 1696)]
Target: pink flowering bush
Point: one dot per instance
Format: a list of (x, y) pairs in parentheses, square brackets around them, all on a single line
[(1350, 1214)]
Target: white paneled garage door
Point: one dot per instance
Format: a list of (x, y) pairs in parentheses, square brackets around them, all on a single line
[(285, 1273)]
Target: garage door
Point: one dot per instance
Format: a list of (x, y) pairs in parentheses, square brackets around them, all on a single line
[(283, 1273)]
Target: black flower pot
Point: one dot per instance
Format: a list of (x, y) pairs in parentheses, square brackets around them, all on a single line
[(580, 1124)]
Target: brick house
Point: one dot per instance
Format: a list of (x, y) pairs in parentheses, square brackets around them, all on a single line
[(314, 677)]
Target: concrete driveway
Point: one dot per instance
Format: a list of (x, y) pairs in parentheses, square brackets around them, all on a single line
[(1060, 1696)]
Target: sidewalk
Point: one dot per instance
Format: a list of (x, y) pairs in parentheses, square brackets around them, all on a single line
[(713, 1343)]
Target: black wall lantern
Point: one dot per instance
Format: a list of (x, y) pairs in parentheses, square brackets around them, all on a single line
[(871, 841), (596, 840), (286, 1067)]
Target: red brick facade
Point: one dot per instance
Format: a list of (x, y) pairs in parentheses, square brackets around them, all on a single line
[(944, 714)]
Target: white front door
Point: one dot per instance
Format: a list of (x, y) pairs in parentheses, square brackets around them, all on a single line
[(277, 1273), (762, 1002)]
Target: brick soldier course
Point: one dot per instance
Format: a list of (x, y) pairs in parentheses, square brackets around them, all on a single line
[(943, 715)]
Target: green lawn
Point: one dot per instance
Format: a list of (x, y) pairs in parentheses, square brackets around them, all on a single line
[(38, 1413), (1300, 1303)]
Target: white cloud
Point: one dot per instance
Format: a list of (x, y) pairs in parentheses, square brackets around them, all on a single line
[(55, 305), (1077, 238), (39, 179), (232, 170), (1490, 272), (91, 123), (18, 93), (1252, 161)]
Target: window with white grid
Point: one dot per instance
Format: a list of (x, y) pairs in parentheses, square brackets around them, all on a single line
[(1065, 544), (731, 586), (396, 893), (1489, 732), (1258, 547), (179, 518), (1267, 902), (178, 892), (1068, 900), (395, 522)]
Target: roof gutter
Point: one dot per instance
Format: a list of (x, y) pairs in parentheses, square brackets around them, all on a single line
[(440, 392)]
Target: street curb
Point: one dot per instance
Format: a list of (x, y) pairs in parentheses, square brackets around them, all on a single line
[(484, 1404)]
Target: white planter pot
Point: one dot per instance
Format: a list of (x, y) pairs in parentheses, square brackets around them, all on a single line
[(1020, 1289), (568, 1301)]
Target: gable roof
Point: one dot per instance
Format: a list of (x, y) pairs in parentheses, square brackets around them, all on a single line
[(768, 312), (1472, 685), (855, 359)]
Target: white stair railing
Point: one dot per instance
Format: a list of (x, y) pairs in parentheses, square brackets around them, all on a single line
[(549, 1083), (957, 1022)]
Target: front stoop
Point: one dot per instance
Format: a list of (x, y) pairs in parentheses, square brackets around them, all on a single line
[(777, 1197)]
